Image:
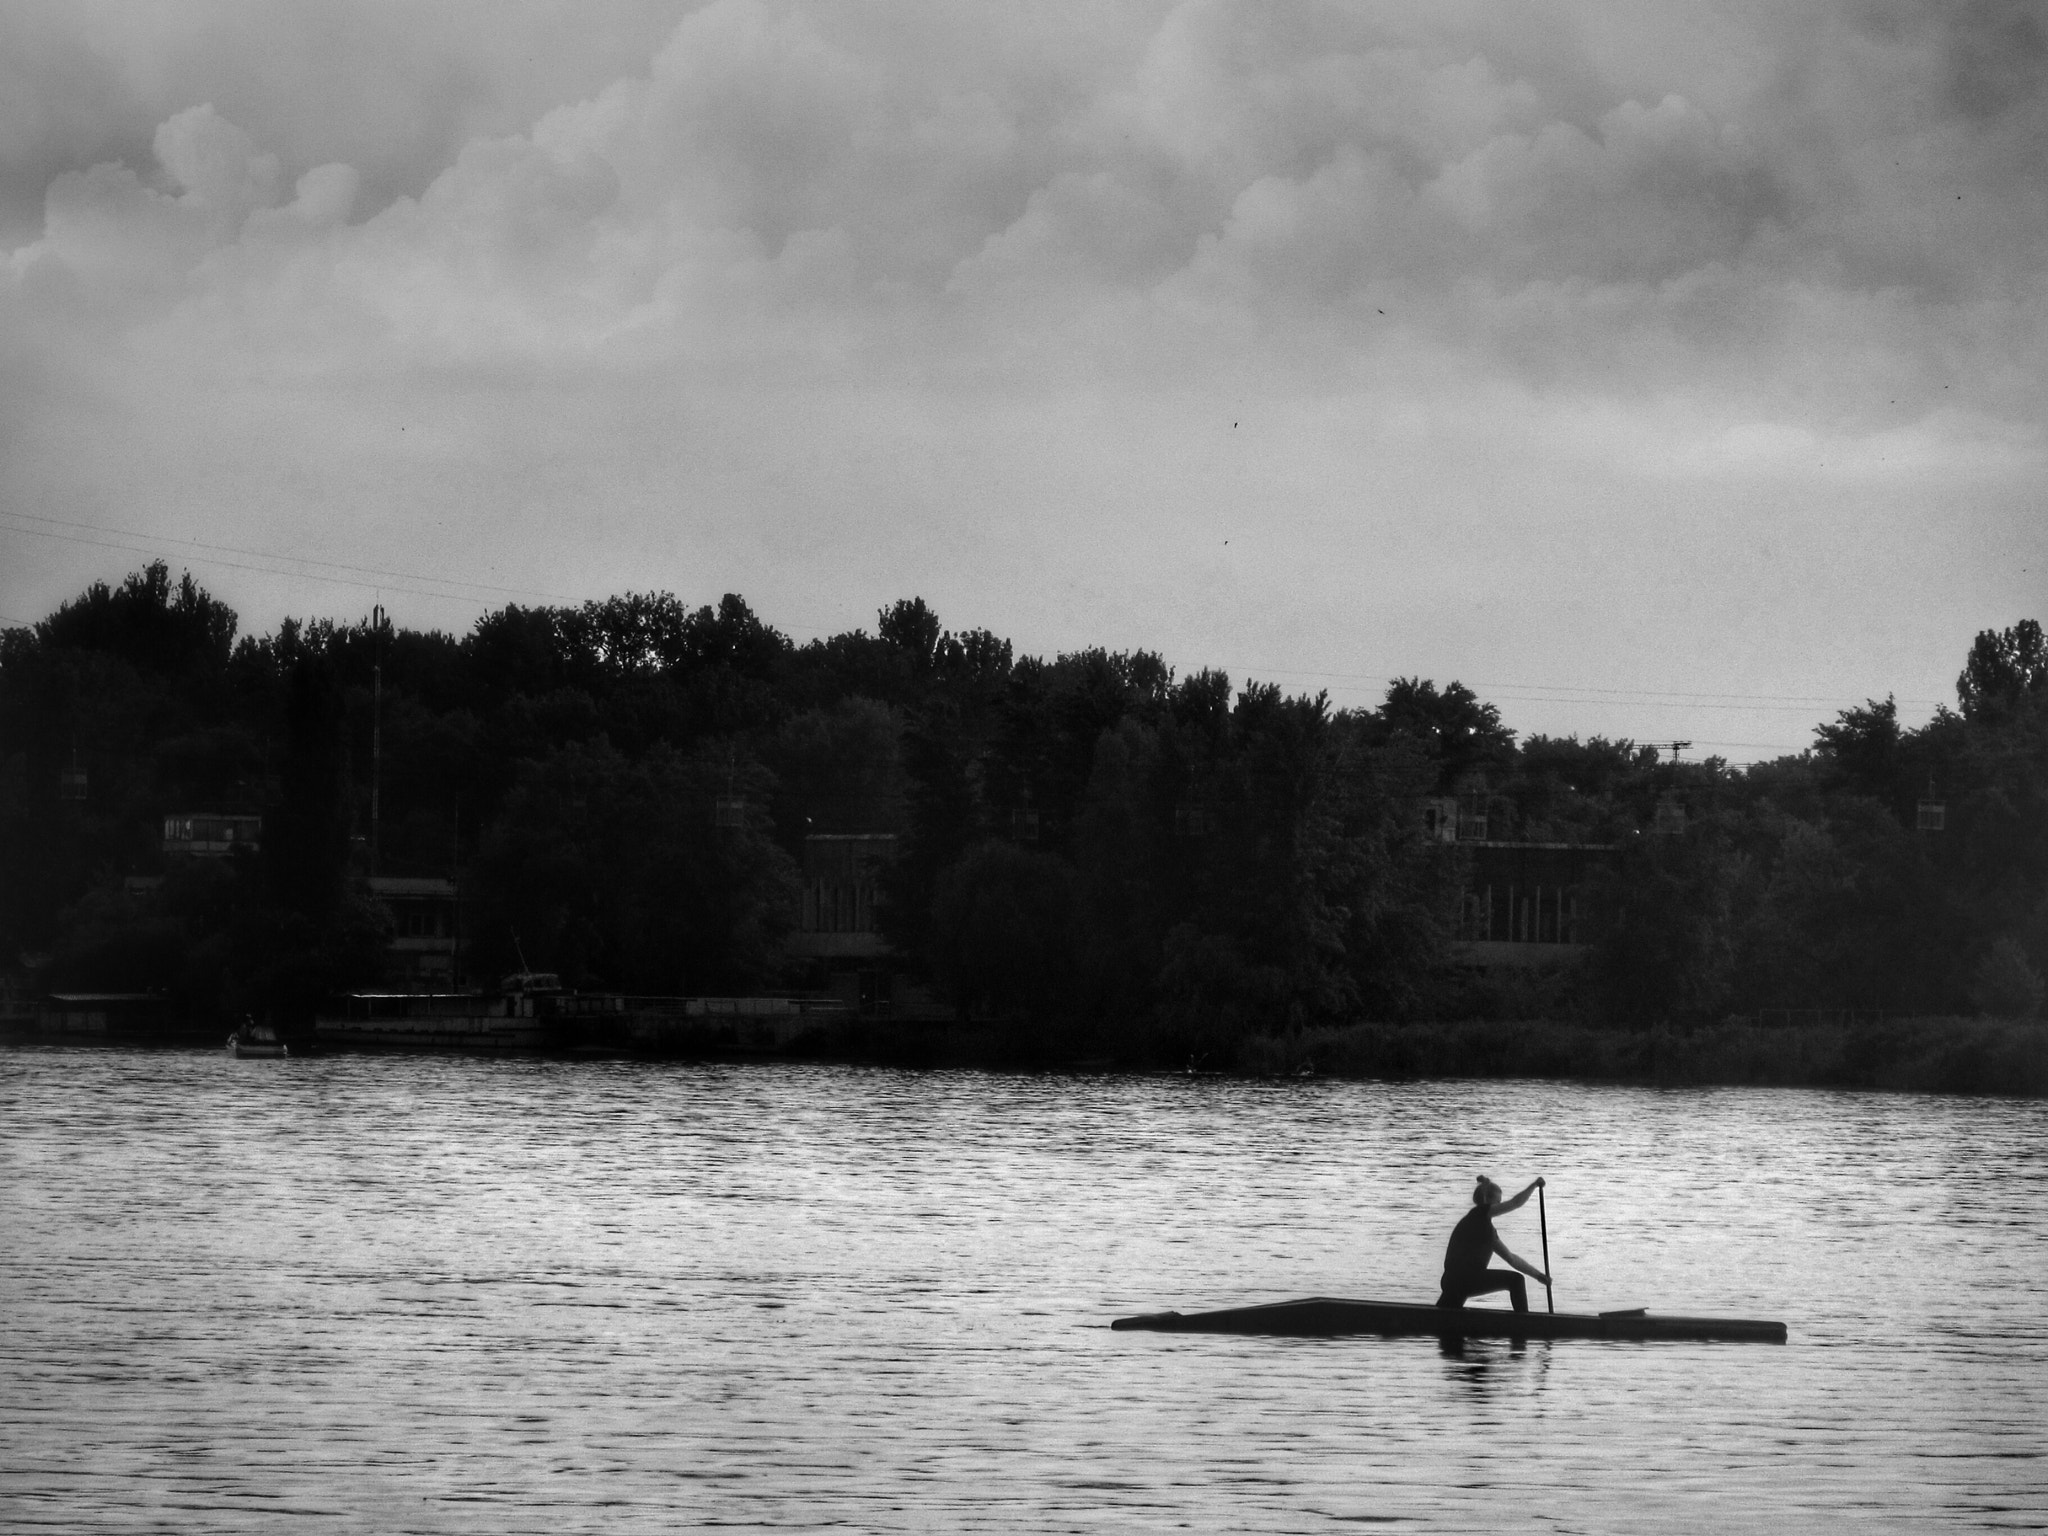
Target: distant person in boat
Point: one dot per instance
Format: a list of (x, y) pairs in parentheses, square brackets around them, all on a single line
[(1472, 1248)]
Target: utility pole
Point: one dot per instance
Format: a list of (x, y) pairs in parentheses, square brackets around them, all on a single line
[(455, 884), (1670, 812), (376, 732)]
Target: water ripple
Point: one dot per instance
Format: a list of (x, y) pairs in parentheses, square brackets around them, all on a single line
[(438, 1295)]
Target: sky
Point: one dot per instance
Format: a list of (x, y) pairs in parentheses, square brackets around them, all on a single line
[(1660, 370)]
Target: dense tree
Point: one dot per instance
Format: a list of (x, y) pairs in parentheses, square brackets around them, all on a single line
[(838, 770), (2003, 668), (1861, 748), (153, 626), (617, 873), (912, 627), (1461, 734), (1003, 934), (1087, 844), (1670, 942), (306, 846)]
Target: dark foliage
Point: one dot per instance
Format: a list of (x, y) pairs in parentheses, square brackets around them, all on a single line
[(1100, 856)]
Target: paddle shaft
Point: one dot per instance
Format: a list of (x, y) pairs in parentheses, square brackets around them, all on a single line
[(1543, 1221)]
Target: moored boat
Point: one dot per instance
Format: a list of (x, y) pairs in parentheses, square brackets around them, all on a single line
[(533, 1011), (255, 1041), (1333, 1317), (530, 1011)]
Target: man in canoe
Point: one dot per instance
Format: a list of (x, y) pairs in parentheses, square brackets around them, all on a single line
[(1473, 1245)]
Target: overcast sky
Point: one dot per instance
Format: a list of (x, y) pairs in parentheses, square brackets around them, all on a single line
[(1664, 370)]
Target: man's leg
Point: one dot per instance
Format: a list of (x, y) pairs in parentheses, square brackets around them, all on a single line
[(1483, 1284)]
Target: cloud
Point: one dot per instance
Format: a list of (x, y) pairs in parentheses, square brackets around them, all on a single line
[(1480, 244), (1301, 186), (394, 91)]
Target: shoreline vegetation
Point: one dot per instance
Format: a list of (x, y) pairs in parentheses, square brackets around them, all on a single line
[(1971, 1056), (1932, 1055), (1952, 1055), (1086, 858)]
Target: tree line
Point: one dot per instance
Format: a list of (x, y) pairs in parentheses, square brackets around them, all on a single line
[(1094, 852)]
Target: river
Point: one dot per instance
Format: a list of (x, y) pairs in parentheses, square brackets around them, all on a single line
[(396, 1294)]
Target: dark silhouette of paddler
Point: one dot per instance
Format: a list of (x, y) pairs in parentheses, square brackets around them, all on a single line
[(1472, 1248)]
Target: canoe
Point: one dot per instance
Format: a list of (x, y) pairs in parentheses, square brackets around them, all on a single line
[(1322, 1317)]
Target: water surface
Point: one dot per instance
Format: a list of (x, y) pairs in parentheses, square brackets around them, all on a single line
[(393, 1294)]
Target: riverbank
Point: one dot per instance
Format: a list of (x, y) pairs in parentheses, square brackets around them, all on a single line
[(1929, 1055), (1924, 1055)]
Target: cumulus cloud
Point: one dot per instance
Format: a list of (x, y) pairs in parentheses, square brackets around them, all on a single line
[(1300, 184), (394, 91), (1777, 240)]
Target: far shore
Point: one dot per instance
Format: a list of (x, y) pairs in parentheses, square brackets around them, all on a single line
[(1927, 1055), (1983, 1056)]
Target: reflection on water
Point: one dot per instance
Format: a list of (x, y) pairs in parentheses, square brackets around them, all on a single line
[(1490, 1365), (387, 1294)]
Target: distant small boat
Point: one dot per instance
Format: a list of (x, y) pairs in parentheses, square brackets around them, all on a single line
[(1332, 1317), (255, 1040)]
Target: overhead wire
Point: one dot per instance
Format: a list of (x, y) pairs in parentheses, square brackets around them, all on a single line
[(457, 589), (367, 577), (1566, 693)]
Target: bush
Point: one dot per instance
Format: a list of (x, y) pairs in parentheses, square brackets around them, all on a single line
[(1933, 1055), (1002, 925), (2004, 985)]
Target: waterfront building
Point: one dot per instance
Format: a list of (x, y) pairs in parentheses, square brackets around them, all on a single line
[(838, 936), (1529, 903), (211, 834), (424, 953)]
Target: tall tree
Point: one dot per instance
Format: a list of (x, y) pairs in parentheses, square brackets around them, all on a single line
[(1861, 747), (306, 844), (1459, 731), (2003, 666)]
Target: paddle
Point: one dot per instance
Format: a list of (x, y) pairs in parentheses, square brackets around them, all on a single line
[(1543, 1221)]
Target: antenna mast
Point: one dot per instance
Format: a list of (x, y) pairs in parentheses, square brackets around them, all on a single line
[(376, 732)]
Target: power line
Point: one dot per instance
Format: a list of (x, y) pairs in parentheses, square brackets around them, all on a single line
[(367, 577), (1556, 693), (359, 578), (372, 578)]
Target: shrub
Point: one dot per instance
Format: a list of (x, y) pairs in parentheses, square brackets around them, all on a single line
[(2004, 985)]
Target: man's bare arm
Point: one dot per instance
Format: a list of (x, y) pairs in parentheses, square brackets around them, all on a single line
[(1523, 1265)]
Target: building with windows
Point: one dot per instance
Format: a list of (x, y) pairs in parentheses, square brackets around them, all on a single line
[(1522, 902), (838, 929), (425, 951), (838, 933), (211, 834), (842, 896), (1528, 903)]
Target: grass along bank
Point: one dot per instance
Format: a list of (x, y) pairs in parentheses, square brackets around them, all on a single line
[(1927, 1055)]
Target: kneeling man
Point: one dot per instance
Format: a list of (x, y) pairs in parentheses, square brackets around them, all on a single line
[(1473, 1245)]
